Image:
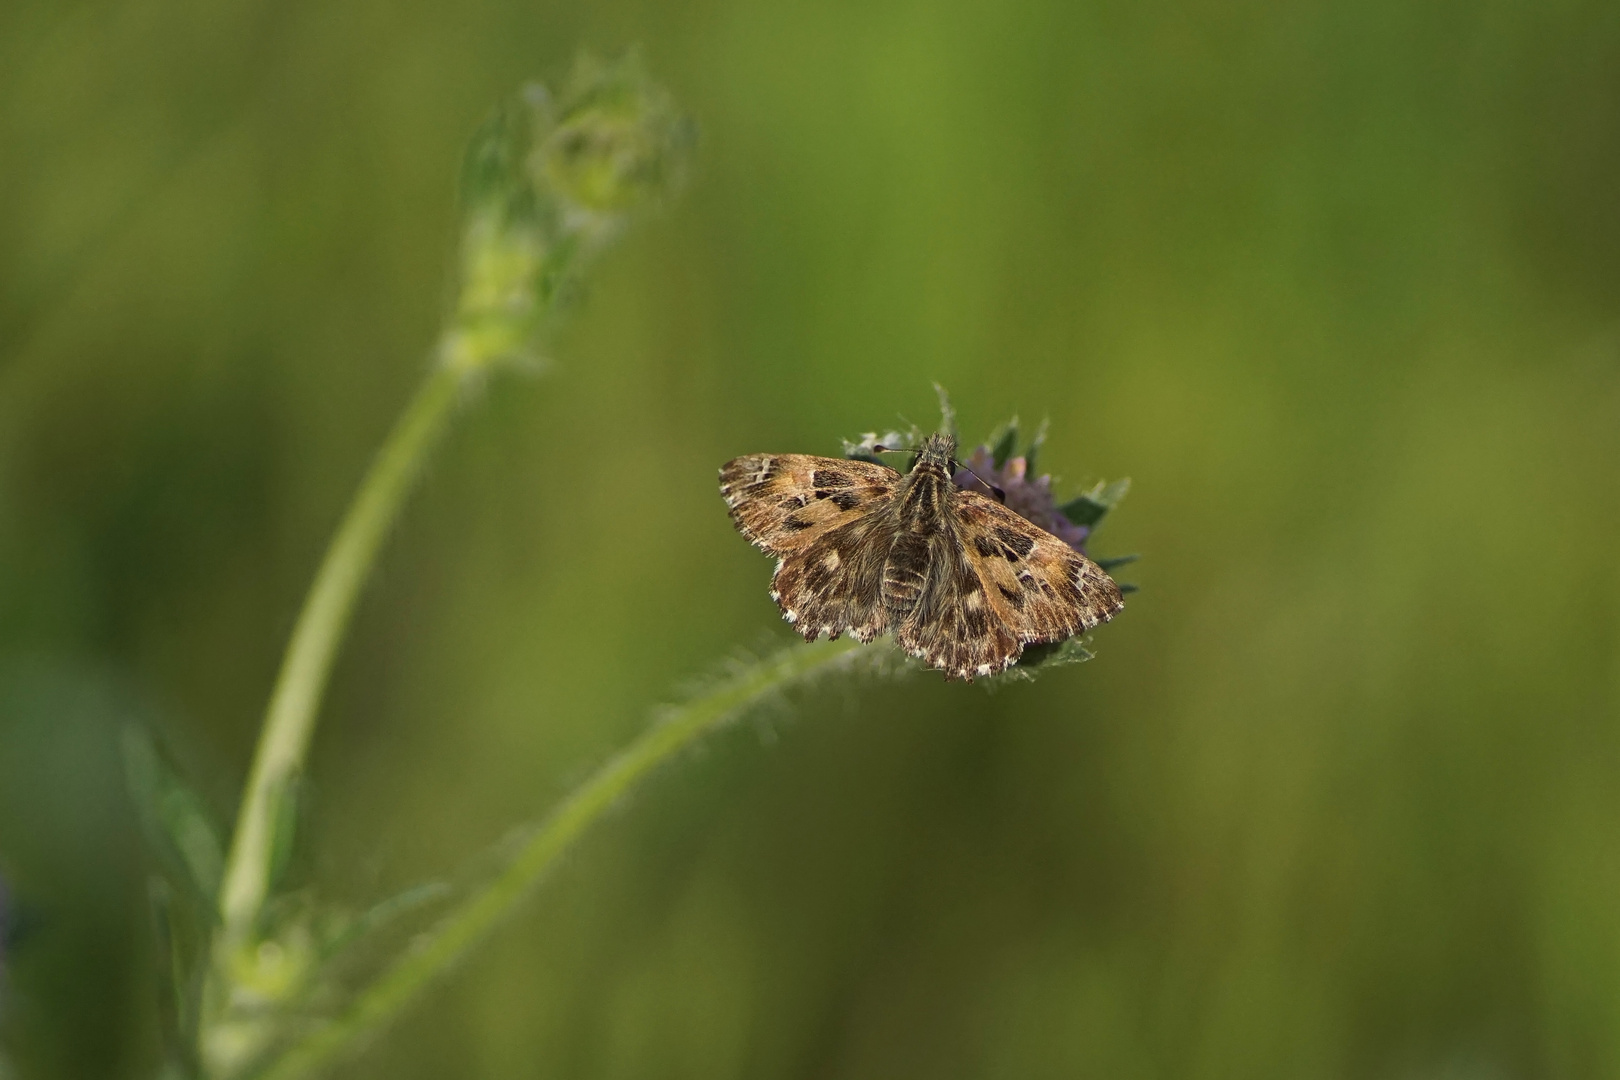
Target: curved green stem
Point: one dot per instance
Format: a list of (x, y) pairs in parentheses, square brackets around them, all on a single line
[(584, 807), (290, 719)]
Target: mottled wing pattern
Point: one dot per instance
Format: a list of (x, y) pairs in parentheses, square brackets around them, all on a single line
[(782, 502), (1039, 587), (949, 621), (827, 521), (964, 582)]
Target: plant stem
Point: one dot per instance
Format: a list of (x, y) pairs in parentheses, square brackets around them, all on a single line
[(584, 807), (295, 702)]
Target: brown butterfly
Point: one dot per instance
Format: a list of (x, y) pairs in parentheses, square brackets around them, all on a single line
[(964, 582)]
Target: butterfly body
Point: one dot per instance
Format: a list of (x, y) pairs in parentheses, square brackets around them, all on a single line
[(963, 582)]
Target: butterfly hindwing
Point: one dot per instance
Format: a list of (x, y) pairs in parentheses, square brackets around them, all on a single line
[(834, 583), (952, 625), (1040, 587)]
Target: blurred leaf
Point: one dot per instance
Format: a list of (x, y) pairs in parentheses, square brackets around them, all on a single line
[(1084, 510), (17, 921), (1034, 450), (358, 931), (1002, 441), (1128, 587), (178, 977), (1118, 560), (1115, 493), (174, 820), (1053, 654), (285, 827), (492, 171), (1089, 509)]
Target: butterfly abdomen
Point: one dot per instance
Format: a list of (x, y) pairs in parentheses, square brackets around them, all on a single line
[(919, 516), (904, 574)]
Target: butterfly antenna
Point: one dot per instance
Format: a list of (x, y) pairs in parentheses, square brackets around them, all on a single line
[(1001, 496)]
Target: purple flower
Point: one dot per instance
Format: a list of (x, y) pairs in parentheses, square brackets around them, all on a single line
[(1030, 499)]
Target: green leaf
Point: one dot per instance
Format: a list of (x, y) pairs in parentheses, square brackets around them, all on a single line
[(1127, 587), (1091, 507), (493, 170), (1034, 450), (174, 820), (1083, 510), (1118, 560), (1113, 494), (1053, 654), (1002, 441)]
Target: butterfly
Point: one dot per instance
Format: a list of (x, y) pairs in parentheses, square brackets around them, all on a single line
[(963, 582)]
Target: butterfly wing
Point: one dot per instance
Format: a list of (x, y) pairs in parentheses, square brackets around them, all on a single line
[(1039, 587), (966, 596), (828, 522), (951, 623)]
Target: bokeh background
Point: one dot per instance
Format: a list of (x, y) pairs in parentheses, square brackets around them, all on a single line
[(1337, 284)]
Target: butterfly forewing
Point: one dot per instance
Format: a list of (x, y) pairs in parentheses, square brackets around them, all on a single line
[(783, 502), (953, 626)]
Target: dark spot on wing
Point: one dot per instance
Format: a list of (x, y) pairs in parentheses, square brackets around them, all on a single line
[(1018, 543), (986, 547), (845, 500), (1014, 596), (830, 478), (794, 523)]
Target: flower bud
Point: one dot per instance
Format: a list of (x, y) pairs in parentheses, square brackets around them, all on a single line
[(545, 185), (619, 143)]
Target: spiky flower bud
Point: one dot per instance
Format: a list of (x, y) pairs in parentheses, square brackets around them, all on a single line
[(619, 142), (546, 184)]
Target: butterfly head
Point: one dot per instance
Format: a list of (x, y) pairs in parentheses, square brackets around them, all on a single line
[(939, 450)]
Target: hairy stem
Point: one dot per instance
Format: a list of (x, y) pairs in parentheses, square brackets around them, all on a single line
[(294, 704), (586, 805)]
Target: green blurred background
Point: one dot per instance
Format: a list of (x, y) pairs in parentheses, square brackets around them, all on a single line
[(1337, 284)]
